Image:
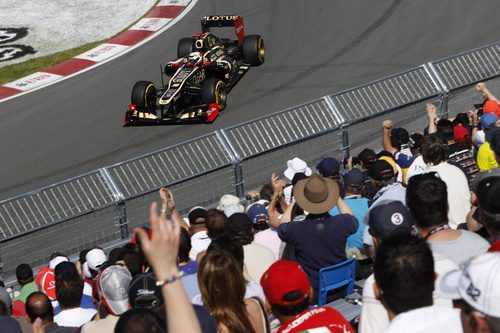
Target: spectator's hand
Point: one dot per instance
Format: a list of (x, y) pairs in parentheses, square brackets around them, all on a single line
[(163, 247), (387, 124), (277, 184), (349, 163), (431, 111), (480, 86), (473, 118), (167, 198)]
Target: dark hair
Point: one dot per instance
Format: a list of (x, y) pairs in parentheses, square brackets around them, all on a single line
[(461, 119), (385, 153), (399, 137), (434, 150), (69, 289), (24, 274), (445, 130), (489, 220), (427, 199), (133, 261), (38, 305), (184, 246), (114, 254), (404, 271), (4, 310), (266, 192), (139, 320), (82, 257), (294, 309), (216, 223), (225, 243)]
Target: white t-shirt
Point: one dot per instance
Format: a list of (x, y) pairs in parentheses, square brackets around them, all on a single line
[(74, 317), (374, 317), (258, 258), (433, 318), (458, 192), (417, 167), (199, 242)]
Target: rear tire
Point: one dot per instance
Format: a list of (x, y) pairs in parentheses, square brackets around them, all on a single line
[(185, 46), (254, 52), (214, 91), (144, 96)]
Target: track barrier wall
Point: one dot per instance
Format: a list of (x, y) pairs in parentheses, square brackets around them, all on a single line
[(102, 207)]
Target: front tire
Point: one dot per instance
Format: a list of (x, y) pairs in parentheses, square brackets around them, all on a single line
[(254, 52), (214, 91), (185, 47), (144, 96)]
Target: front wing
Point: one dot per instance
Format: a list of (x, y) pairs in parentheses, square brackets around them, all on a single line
[(204, 113)]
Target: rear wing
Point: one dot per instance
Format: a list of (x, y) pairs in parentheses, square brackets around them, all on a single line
[(218, 21)]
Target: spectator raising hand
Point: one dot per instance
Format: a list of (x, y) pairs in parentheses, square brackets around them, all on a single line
[(161, 251)]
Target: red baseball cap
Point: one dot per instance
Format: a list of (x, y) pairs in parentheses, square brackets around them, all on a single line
[(46, 282), (491, 106), (460, 133), (283, 277)]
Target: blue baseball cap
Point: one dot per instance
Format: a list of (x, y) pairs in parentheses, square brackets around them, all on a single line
[(328, 167), (258, 214), (488, 119)]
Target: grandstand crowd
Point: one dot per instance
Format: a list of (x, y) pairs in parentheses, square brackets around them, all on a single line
[(420, 219)]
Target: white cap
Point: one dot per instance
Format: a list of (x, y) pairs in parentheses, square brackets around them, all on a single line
[(296, 165), (477, 283), (231, 209), (229, 199), (57, 260), (85, 270), (95, 258)]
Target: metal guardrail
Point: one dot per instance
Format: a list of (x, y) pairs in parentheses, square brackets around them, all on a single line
[(111, 200)]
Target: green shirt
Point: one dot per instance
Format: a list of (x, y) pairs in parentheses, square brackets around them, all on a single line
[(27, 290)]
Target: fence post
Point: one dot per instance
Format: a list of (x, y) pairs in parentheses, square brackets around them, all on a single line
[(439, 84), (344, 134), (121, 209), (239, 181)]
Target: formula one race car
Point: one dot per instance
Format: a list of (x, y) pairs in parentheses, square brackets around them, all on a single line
[(207, 68)]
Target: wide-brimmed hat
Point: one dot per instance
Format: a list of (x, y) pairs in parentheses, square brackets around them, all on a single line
[(316, 194)]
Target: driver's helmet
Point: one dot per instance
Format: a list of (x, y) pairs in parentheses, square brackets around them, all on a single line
[(194, 57)]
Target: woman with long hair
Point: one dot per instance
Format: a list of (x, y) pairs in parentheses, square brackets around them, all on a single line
[(222, 287)]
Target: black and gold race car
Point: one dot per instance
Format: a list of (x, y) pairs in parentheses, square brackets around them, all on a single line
[(207, 68)]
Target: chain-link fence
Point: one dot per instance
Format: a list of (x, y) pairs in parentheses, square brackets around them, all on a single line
[(101, 207)]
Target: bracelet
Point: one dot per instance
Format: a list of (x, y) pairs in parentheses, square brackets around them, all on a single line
[(170, 279)]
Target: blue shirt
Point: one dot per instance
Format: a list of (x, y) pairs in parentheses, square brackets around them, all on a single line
[(319, 241), (189, 268), (359, 207)]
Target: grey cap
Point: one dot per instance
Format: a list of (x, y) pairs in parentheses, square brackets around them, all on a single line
[(114, 283)]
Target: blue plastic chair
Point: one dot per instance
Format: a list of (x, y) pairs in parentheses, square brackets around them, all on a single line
[(334, 277)]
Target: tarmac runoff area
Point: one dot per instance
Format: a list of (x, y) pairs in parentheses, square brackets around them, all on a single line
[(35, 28)]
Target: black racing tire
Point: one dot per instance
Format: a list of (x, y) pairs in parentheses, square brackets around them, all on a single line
[(254, 52), (144, 96), (214, 91), (185, 46)]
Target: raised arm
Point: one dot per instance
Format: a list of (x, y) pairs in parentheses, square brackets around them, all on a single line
[(167, 201), (432, 117), (162, 251), (386, 136), (481, 87)]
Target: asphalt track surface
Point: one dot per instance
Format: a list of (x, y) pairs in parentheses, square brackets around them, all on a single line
[(312, 48)]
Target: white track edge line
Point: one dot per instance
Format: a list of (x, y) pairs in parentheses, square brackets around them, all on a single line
[(130, 48)]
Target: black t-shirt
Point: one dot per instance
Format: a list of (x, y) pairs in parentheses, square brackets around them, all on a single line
[(463, 158)]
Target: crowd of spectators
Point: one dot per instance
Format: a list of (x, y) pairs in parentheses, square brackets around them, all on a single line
[(421, 218)]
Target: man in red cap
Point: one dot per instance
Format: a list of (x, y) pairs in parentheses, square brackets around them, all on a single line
[(288, 294)]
